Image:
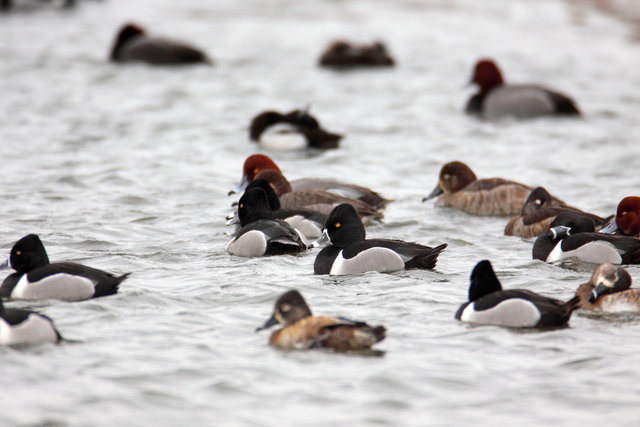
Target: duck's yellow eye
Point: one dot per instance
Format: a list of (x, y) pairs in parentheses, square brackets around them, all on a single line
[(241, 205), (337, 225), (18, 252)]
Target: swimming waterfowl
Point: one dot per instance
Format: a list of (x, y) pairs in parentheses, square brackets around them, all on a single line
[(608, 290), (574, 236), (627, 219), (497, 99), (351, 253), (342, 54), (516, 308), (307, 222), (259, 233), (256, 163), (293, 130), (317, 200), (19, 327), (537, 213), (302, 330), (133, 44), (458, 187), (37, 278)]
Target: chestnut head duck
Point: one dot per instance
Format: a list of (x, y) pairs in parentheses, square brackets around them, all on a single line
[(259, 233), (351, 253), (497, 99), (301, 330), (573, 235), (22, 327), (608, 290), (294, 130), (133, 44), (37, 278), (627, 219), (342, 54), (516, 308), (538, 212), (458, 187)]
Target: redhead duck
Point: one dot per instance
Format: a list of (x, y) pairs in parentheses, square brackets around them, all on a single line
[(301, 330), (515, 308), (307, 222), (21, 327), (458, 187), (342, 54), (538, 212), (351, 253), (627, 219), (132, 44), (496, 99), (259, 233), (294, 130), (37, 278), (573, 236), (608, 291), (256, 163), (317, 200)]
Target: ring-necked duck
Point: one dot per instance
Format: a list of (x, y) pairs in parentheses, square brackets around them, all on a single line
[(516, 308), (132, 44), (37, 278), (294, 130), (497, 99), (608, 291), (302, 330), (351, 253), (259, 233)]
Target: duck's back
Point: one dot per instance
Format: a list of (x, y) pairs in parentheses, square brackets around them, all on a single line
[(491, 196), (160, 51)]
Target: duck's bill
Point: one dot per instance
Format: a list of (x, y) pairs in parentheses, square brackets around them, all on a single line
[(323, 240), (5, 265), (560, 231), (610, 228), (232, 218), (436, 192), (600, 289), (244, 182), (269, 323)]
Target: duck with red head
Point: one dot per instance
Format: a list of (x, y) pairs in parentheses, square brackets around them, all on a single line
[(497, 99), (256, 163), (627, 219), (458, 187), (133, 44)]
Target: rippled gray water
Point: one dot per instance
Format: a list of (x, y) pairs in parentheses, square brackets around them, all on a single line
[(127, 169)]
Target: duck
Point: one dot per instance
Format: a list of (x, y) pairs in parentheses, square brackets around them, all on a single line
[(608, 291), (294, 130), (351, 253), (458, 187), (256, 163), (259, 233), (497, 99), (37, 278), (538, 212), (342, 54), (133, 44), (301, 330), (489, 304), (627, 219), (22, 327), (574, 236), (318, 200), (308, 223)]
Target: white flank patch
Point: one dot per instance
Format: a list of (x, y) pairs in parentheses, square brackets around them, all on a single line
[(373, 259), (63, 286), (513, 312), (597, 252), (307, 228), (250, 244), (35, 329), (283, 137)]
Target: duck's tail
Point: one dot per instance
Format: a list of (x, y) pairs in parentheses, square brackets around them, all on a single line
[(109, 286), (427, 260)]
